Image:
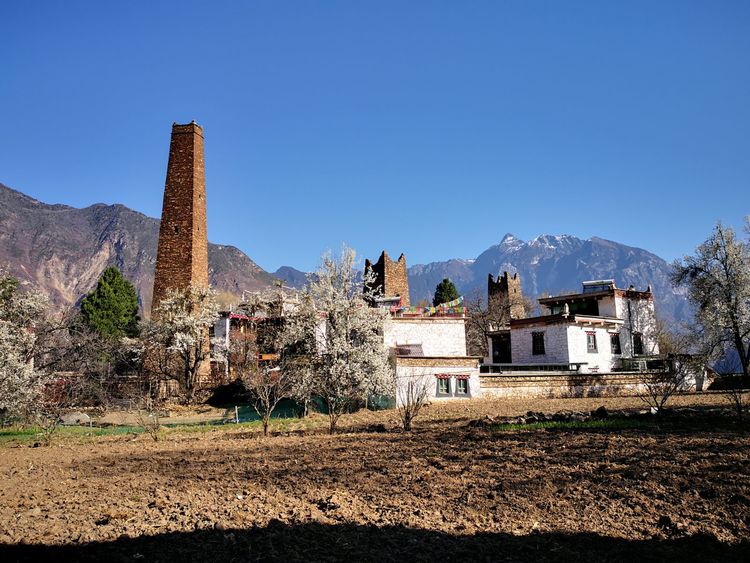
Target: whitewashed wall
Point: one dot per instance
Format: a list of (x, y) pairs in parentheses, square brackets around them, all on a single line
[(564, 343), (642, 316), (221, 329), (438, 337), (602, 360), (555, 344), (427, 376), (607, 307)]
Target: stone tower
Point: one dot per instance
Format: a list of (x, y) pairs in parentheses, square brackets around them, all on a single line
[(391, 279), (182, 257), (504, 297)]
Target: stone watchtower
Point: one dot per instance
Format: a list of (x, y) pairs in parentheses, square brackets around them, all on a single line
[(504, 297), (391, 278), (182, 257)]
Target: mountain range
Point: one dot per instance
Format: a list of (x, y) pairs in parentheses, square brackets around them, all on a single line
[(548, 265), (62, 251)]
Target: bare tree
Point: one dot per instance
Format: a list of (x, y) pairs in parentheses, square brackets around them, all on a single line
[(479, 324), (680, 367), (737, 397), (411, 395), (733, 384), (484, 320), (267, 383), (145, 405), (267, 386)]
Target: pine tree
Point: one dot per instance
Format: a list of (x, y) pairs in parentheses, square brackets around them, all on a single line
[(112, 308), (444, 292)]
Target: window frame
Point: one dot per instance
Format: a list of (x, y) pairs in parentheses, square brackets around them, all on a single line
[(537, 337), (447, 380), (614, 337), (637, 343), (591, 344), (462, 381)]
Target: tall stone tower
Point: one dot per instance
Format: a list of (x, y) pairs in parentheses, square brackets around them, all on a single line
[(182, 257), (391, 278), (504, 297)]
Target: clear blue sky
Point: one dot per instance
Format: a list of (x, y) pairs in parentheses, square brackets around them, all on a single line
[(431, 128)]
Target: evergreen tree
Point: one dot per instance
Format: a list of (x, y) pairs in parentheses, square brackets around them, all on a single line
[(444, 292), (112, 308)]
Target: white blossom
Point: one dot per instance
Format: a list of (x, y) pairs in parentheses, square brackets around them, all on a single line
[(20, 311), (334, 340), (176, 339)]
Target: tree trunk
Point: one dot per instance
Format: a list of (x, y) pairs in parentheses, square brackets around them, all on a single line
[(744, 360), (265, 425), (331, 422)]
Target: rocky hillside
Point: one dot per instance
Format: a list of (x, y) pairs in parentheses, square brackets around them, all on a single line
[(63, 250)]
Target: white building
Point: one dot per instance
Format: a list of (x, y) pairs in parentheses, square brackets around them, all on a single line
[(430, 353), (428, 344), (602, 329)]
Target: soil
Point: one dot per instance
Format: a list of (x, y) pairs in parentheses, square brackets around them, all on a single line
[(677, 487)]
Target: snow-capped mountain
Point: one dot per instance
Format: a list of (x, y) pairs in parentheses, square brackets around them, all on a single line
[(550, 264)]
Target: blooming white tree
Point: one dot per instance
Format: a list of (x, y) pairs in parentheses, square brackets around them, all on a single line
[(20, 311), (176, 340), (718, 282), (334, 340)]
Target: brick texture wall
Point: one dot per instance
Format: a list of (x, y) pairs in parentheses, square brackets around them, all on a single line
[(182, 256), (390, 277), (504, 297)]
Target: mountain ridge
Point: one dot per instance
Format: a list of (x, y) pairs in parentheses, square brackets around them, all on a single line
[(553, 264), (62, 250)]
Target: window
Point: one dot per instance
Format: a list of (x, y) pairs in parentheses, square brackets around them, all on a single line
[(615, 341), (637, 344), (462, 386), (591, 342), (537, 343), (444, 385)]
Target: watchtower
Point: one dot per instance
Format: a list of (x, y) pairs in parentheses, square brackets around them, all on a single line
[(504, 297), (182, 256), (391, 278)]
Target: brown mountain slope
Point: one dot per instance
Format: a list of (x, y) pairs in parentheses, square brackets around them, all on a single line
[(63, 250)]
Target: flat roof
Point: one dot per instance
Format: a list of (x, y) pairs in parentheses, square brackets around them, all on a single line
[(596, 295), (568, 319)]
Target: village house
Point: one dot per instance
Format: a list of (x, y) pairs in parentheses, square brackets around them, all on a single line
[(258, 317), (428, 344), (601, 329)]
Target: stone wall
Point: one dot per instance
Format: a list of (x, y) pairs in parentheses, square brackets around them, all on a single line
[(561, 385), (182, 255), (391, 277), (504, 297)]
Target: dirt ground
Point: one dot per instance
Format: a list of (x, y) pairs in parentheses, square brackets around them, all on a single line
[(677, 487)]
